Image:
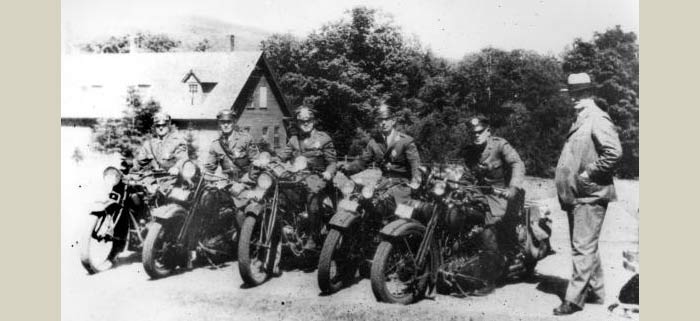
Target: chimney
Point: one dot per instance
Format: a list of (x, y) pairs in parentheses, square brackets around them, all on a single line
[(232, 41)]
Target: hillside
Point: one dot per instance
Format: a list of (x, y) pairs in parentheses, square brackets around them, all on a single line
[(188, 29)]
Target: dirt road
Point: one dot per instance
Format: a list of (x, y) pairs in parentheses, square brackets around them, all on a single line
[(126, 293)]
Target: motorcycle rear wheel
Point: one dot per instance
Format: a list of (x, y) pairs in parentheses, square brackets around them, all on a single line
[(254, 263), (335, 267), (98, 255), (394, 275), (159, 257)]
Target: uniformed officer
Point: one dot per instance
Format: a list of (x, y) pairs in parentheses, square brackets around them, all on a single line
[(492, 161), (233, 150), (166, 151), (318, 148), (394, 152)]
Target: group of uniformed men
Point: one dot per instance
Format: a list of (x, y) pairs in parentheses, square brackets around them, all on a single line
[(584, 188)]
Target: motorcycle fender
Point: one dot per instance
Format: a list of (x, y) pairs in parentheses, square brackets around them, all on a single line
[(400, 226), (168, 212), (99, 208), (253, 209), (343, 219)]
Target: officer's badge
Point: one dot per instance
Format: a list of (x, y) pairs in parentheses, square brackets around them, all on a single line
[(237, 152), (475, 121), (393, 153)]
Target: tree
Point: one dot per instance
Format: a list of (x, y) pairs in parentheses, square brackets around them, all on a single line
[(612, 60), (125, 135), (122, 44), (344, 69), (203, 46)]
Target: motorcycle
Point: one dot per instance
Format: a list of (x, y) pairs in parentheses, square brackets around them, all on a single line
[(433, 244), (198, 221), (278, 217), (118, 222), (354, 229)]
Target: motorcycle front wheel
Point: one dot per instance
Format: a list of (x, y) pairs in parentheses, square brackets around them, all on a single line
[(160, 255), (97, 255), (256, 260), (336, 267), (395, 276)]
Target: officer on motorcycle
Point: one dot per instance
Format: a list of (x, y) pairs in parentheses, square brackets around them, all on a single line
[(233, 150), (493, 162), (318, 148), (394, 152), (166, 151)]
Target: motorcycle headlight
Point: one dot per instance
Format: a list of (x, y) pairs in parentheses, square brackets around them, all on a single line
[(347, 188), (189, 170), (111, 176), (439, 188), (264, 181), (368, 191)]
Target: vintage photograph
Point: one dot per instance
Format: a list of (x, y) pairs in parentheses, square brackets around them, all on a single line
[(349, 160)]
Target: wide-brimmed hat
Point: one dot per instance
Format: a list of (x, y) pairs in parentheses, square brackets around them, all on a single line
[(577, 82)]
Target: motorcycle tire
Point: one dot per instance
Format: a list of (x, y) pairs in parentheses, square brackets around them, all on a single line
[(382, 260), (87, 248), (253, 264), (333, 275), (156, 265)]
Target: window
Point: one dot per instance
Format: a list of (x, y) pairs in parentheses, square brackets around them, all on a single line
[(262, 95), (193, 91), (264, 133), (276, 139)]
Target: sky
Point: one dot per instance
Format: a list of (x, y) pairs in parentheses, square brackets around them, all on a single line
[(450, 28)]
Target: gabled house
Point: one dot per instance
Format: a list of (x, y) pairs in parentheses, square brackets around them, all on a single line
[(190, 86)]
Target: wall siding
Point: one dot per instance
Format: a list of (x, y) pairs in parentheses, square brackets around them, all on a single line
[(257, 118)]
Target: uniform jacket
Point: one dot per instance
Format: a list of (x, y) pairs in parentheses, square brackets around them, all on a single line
[(399, 159), (236, 158), (157, 153), (592, 145), (496, 164), (317, 147)]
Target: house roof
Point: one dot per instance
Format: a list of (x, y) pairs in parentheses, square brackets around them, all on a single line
[(95, 85)]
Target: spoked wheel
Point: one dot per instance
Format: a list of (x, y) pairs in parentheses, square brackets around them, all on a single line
[(337, 266), (395, 277), (98, 250), (255, 259), (160, 254)]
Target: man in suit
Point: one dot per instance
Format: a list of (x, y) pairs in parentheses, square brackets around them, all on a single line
[(392, 151), (492, 161), (584, 180)]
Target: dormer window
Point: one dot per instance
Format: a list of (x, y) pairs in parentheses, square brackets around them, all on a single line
[(194, 88), (198, 88)]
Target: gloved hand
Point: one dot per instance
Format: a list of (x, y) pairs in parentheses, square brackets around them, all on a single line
[(510, 193), (327, 175), (173, 171), (415, 184), (342, 166)]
